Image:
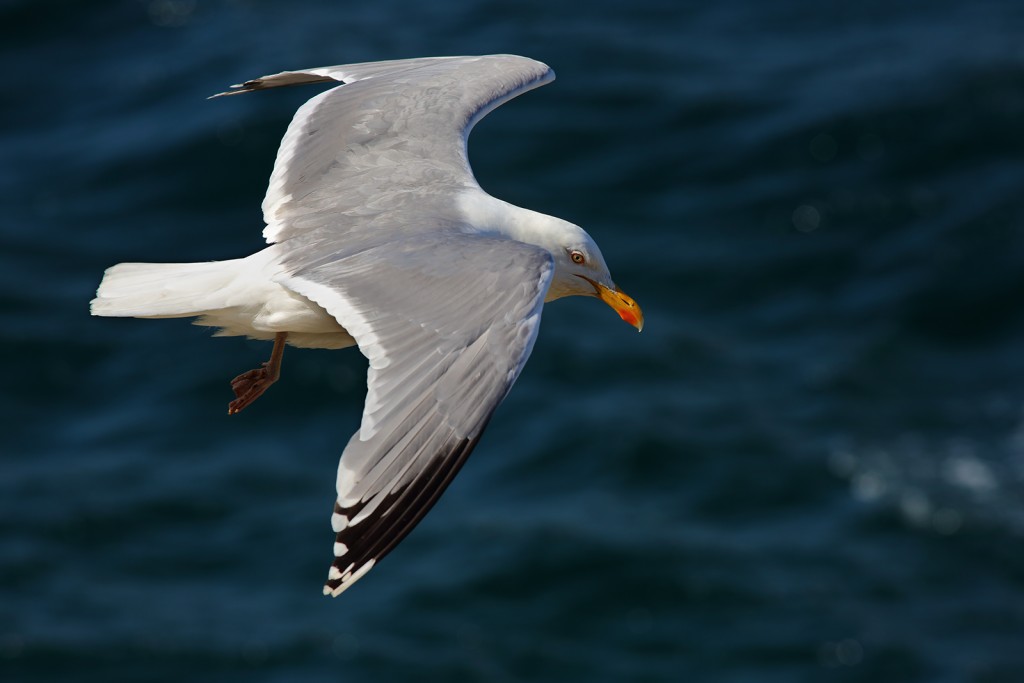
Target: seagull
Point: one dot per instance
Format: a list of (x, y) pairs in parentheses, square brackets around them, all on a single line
[(380, 237)]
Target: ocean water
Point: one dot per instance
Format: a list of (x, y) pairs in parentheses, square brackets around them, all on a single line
[(809, 466)]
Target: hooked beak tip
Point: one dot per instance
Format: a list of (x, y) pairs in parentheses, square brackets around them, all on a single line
[(622, 304)]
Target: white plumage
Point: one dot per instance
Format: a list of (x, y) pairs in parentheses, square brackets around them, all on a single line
[(239, 296), (381, 237)]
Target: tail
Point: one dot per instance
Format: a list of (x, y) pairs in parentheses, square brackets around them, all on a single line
[(163, 290)]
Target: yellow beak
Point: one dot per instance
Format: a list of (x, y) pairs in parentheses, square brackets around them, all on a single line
[(620, 302)]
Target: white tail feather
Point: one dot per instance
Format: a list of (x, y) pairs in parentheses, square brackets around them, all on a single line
[(164, 290), (238, 296)]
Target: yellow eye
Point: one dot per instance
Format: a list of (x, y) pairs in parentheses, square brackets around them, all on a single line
[(577, 256)]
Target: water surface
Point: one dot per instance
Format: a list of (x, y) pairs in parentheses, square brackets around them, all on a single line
[(810, 465)]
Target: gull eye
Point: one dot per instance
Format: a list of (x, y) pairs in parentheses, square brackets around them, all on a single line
[(577, 256)]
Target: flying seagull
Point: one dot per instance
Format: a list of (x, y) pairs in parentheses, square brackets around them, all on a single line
[(381, 238)]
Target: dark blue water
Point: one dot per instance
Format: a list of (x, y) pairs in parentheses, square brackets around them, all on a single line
[(810, 465)]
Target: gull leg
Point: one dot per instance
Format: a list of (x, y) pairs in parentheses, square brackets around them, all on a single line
[(249, 386)]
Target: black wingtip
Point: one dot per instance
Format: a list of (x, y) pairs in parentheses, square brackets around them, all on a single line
[(358, 549), (283, 79), (239, 88)]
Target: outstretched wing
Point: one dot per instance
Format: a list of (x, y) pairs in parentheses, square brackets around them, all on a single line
[(396, 128), (363, 210), (447, 322)]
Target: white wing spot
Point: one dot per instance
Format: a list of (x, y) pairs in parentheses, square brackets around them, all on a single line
[(339, 522), (333, 573), (340, 549), (349, 578)]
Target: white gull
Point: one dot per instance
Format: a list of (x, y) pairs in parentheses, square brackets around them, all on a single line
[(381, 237)]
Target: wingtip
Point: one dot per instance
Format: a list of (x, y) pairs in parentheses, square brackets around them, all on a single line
[(338, 582), (239, 88)]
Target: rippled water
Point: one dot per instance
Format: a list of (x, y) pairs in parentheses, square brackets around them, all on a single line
[(810, 465)]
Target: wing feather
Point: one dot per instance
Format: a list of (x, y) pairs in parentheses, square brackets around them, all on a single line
[(454, 340), (400, 125), (361, 211)]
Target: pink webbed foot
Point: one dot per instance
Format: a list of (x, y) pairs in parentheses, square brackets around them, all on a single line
[(249, 386)]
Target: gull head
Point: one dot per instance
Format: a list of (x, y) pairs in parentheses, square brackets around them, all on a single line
[(580, 270)]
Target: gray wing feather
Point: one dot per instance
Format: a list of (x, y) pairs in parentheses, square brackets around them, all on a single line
[(395, 135), (361, 206), (447, 322)]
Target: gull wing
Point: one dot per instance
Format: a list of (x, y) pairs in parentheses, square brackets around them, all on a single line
[(447, 321), (395, 133)]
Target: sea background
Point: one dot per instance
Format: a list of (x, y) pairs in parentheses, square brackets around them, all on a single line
[(808, 467)]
